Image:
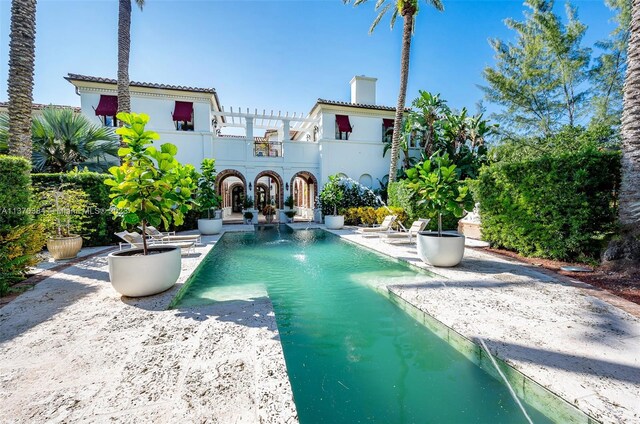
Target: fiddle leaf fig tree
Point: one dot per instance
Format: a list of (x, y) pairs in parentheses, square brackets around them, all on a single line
[(332, 193), (206, 196), (439, 189), (150, 187)]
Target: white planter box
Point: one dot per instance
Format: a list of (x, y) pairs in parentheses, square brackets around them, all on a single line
[(136, 276), (444, 251), (210, 226), (334, 222)]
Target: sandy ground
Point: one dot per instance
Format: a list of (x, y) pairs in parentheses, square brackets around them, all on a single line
[(567, 336), (73, 350)]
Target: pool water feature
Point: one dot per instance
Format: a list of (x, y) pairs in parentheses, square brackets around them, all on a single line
[(352, 355)]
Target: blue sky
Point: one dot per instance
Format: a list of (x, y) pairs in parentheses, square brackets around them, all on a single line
[(273, 54)]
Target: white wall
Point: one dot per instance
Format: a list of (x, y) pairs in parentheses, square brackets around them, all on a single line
[(365, 128), (353, 159), (159, 109)]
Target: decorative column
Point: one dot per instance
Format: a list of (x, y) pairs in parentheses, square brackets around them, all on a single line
[(249, 135)]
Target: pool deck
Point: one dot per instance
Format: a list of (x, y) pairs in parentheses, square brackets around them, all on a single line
[(579, 342), (73, 350)]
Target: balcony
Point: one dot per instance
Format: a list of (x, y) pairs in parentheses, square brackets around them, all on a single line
[(266, 148)]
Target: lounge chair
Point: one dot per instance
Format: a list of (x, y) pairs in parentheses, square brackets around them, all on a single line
[(168, 237), (406, 236), (383, 227), (134, 240), (155, 233)]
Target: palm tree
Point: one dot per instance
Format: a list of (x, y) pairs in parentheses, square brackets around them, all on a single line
[(626, 249), (408, 10), (630, 130), (62, 140), (124, 46), (22, 47)]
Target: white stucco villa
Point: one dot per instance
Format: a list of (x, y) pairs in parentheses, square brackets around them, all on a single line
[(276, 155)]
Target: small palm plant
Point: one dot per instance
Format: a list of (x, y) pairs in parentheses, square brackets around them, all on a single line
[(150, 187)]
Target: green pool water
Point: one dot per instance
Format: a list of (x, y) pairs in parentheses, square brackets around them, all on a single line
[(351, 354)]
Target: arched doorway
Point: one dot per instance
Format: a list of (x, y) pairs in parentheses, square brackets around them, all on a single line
[(231, 185), (271, 184), (237, 197), (262, 198), (304, 190)]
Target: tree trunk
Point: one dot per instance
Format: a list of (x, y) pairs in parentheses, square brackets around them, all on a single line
[(626, 250), (407, 14), (20, 85), (124, 46), (630, 129)]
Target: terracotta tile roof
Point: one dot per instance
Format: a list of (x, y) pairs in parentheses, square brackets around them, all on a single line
[(39, 106), (358, 105), (76, 77)]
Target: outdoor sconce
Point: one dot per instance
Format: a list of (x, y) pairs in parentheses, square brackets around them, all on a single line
[(249, 186), (286, 186)]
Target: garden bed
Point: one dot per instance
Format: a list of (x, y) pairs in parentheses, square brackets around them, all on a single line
[(623, 284)]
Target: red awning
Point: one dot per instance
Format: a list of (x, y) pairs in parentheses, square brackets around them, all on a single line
[(387, 123), (108, 106), (183, 111), (343, 123)]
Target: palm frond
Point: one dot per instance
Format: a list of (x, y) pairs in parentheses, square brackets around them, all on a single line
[(376, 21), (4, 133)]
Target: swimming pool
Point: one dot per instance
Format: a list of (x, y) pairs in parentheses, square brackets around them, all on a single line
[(352, 355)]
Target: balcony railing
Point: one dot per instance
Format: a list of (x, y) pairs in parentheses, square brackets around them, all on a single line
[(267, 148)]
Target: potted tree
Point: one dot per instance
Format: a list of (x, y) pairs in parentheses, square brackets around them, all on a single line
[(268, 211), (247, 206), (63, 213), (207, 199), (149, 188), (436, 184), (290, 212), (331, 196), (248, 216)]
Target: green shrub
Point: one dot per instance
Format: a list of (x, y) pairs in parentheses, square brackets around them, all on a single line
[(20, 238), (555, 206), (18, 251), (369, 216), (15, 198), (345, 193), (100, 223), (401, 216)]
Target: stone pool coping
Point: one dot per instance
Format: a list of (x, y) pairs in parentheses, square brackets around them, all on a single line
[(73, 350), (559, 333)]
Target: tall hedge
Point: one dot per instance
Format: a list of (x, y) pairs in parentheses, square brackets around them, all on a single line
[(20, 238), (101, 222), (555, 206), (15, 199)]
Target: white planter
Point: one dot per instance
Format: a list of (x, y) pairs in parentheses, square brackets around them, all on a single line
[(136, 276), (334, 222), (210, 226), (440, 251)]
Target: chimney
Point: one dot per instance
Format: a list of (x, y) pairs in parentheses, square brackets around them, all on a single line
[(363, 90)]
